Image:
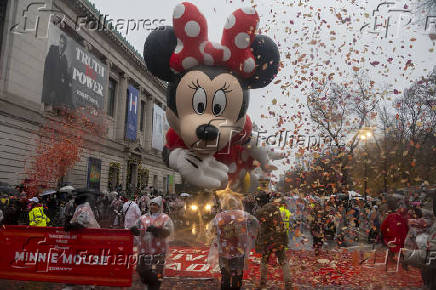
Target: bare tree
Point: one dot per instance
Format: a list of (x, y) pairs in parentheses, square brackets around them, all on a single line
[(428, 5), (339, 112), (404, 154), (416, 120)]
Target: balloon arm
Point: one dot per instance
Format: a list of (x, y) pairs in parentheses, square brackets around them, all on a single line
[(204, 172), (263, 154), (258, 152), (276, 155)]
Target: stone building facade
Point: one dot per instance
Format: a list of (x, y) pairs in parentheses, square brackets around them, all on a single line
[(24, 45)]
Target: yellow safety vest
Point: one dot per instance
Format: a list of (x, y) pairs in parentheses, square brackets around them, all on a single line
[(37, 217), (286, 217)]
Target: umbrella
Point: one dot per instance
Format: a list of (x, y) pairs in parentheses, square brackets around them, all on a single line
[(48, 192), (34, 199), (113, 194), (67, 188), (353, 195), (184, 194)]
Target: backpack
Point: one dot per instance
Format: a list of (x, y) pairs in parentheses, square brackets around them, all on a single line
[(122, 215)]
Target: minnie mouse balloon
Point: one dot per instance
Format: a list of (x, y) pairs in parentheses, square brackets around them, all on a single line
[(208, 92)]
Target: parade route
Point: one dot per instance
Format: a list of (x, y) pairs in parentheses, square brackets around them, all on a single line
[(185, 145), (353, 267), (333, 269)]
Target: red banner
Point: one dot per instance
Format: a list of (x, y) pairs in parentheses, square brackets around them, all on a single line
[(189, 262), (192, 262), (79, 257)]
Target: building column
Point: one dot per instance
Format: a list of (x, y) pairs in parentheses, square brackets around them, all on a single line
[(144, 97), (121, 107), (108, 64), (139, 134), (148, 123)]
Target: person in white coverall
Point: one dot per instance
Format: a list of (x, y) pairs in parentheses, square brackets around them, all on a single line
[(83, 217), (132, 213), (155, 229)]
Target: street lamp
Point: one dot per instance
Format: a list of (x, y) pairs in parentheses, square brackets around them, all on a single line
[(365, 133)]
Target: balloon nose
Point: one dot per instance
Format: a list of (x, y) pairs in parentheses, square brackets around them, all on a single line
[(207, 132)]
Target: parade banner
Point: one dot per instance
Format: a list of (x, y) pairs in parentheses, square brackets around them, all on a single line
[(159, 118), (132, 113), (73, 77), (193, 263), (171, 184), (94, 173), (190, 262), (49, 254)]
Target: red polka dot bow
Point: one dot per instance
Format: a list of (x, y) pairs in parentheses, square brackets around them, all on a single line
[(194, 48)]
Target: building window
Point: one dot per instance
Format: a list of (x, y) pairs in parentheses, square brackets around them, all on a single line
[(3, 7), (165, 185), (132, 174), (111, 97), (142, 178), (155, 185), (141, 121), (114, 176)]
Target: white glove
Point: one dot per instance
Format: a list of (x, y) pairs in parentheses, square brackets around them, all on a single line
[(264, 155), (206, 172)]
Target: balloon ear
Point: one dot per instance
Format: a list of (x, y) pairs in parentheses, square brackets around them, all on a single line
[(158, 48), (267, 57)]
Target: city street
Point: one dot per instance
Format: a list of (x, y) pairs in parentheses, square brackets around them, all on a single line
[(262, 144)]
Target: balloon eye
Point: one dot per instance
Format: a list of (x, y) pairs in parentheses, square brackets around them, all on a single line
[(200, 108), (219, 102), (199, 101)]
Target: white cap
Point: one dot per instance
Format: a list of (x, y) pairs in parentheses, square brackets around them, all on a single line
[(34, 199), (159, 201)]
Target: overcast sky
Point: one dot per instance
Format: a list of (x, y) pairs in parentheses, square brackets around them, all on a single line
[(315, 38)]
